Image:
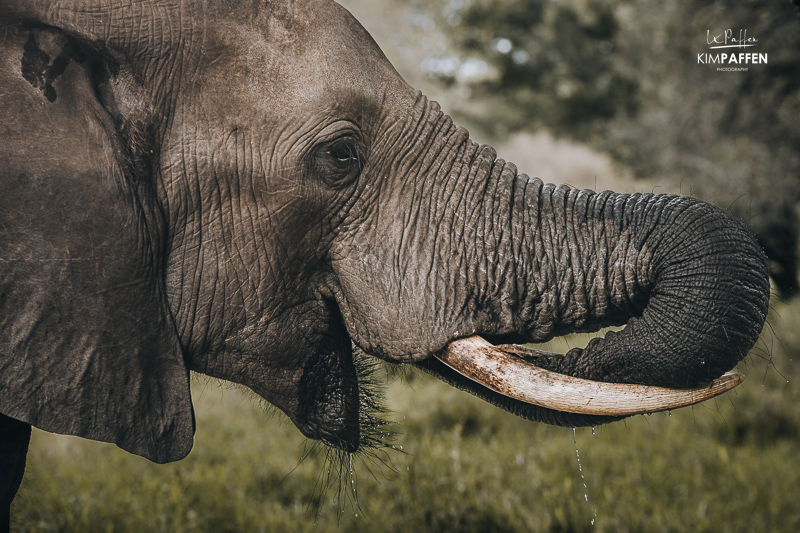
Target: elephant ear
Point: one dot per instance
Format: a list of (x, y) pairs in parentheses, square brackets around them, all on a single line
[(87, 343)]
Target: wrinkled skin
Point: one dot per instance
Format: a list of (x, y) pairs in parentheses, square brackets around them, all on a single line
[(247, 189)]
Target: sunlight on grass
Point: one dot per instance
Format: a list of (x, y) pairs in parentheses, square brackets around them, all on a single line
[(726, 465)]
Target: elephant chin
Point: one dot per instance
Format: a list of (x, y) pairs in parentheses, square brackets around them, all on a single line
[(507, 370)]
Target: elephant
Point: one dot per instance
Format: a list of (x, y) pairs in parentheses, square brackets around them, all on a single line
[(249, 190)]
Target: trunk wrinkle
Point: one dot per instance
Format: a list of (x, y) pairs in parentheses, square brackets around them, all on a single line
[(687, 280), (704, 301)]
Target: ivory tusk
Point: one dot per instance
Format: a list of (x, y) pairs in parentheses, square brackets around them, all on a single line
[(482, 362)]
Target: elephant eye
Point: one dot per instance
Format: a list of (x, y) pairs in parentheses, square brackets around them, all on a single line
[(344, 153), (340, 161)]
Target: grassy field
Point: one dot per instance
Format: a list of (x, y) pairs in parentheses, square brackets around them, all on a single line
[(728, 465)]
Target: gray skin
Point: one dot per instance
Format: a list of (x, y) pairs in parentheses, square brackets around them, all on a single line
[(247, 189)]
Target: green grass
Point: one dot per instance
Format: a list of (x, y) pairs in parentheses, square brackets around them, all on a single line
[(727, 465)]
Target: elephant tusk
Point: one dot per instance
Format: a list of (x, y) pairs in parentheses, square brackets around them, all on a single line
[(484, 363)]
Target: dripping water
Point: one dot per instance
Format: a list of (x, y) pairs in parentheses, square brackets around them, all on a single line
[(580, 471)]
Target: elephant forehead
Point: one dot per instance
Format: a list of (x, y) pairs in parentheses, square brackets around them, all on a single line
[(302, 56)]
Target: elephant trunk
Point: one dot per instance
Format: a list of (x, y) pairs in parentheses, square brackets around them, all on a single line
[(687, 280), (483, 250)]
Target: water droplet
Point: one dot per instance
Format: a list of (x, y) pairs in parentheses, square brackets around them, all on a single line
[(580, 470)]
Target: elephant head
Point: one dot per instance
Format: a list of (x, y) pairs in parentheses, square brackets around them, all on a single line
[(247, 189)]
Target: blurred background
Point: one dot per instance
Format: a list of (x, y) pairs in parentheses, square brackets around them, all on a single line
[(600, 94)]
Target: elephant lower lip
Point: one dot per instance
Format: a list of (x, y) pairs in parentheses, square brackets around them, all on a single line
[(506, 374), (341, 436)]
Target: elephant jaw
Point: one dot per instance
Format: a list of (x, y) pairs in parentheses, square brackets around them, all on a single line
[(495, 368)]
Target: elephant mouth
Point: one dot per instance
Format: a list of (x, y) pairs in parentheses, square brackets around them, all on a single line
[(506, 370)]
